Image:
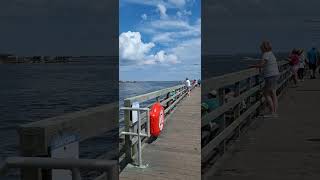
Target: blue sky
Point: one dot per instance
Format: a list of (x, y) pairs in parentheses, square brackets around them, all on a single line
[(160, 40)]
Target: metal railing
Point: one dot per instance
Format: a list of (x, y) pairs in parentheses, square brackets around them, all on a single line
[(139, 134), (74, 165)]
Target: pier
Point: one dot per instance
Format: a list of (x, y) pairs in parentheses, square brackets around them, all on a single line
[(248, 146), (175, 154)]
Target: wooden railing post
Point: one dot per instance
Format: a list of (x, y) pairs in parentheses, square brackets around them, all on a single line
[(237, 109), (259, 93), (128, 139), (221, 96)]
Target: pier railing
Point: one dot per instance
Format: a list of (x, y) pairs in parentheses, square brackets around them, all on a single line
[(45, 145), (129, 145), (223, 124)]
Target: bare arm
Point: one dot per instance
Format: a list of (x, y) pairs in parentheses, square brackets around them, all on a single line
[(260, 64)]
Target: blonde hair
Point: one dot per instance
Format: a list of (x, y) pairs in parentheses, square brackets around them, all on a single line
[(266, 46)]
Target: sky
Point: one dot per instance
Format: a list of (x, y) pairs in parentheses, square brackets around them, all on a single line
[(59, 27), (236, 26), (160, 40)]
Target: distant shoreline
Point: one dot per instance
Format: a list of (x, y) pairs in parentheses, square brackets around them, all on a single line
[(137, 81), (12, 59)]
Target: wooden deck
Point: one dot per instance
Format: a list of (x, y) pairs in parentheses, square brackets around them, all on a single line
[(176, 152), (284, 148)]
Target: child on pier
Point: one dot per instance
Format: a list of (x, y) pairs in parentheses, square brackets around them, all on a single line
[(294, 62), (302, 62)]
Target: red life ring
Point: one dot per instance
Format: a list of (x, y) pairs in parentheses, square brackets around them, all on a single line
[(156, 119)]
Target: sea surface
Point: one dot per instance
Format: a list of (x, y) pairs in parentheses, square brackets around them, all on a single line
[(216, 65), (33, 92)]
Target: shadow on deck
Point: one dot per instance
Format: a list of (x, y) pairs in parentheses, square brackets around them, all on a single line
[(287, 147)]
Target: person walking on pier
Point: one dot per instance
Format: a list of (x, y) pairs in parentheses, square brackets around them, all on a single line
[(270, 74), (312, 61), (188, 84)]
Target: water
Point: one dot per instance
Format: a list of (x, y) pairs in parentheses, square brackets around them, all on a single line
[(216, 65), (128, 89), (32, 92)]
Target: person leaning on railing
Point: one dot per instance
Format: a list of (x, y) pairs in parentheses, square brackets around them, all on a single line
[(271, 74)]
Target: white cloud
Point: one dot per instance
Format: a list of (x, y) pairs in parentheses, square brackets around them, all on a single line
[(170, 24), (189, 50), (144, 16), (134, 51), (163, 37), (168, 31), (178, 3), (131, 46), (183, 13), (173, 4), (179, 14), (162, 58), (162, 10)]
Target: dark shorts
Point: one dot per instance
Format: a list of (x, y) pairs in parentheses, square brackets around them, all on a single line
[(312, 66), (271, 83)]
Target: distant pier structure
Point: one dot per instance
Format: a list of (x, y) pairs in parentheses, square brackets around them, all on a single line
[(13, 59)]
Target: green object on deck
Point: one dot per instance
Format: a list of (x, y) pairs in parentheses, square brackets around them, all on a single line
[(210, 104)]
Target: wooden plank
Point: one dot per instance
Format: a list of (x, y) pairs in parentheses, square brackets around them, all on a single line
[(215, 83), (222, 109), (206, 151)]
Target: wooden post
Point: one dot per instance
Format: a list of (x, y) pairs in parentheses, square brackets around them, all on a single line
[(236, 94), (236, 112), (128, 138), (259, 93), (221, 96), (31, 174), (36, 137), (32, 143)]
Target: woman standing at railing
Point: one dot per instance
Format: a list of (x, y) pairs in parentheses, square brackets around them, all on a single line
[(271, 74)]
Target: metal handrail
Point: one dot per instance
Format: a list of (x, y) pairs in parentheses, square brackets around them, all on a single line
[(72, 164), (139, 134)]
